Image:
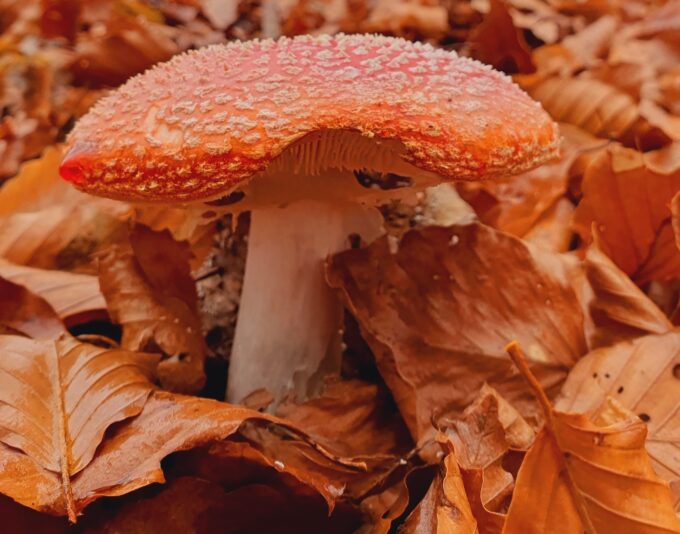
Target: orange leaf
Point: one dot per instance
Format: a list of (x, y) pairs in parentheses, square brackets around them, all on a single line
[(75, 297), (497, 42), (438, 311), (363, 421), (582, 476), (445, 508), (130, 454), (628, 202), (617, 308), (23, 312), (150, 292), (58, 399), (641, 375)]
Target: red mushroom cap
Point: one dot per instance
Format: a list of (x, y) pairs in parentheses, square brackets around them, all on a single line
[(208, 120)]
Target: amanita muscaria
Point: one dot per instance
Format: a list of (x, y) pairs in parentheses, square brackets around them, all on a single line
[(282, 129)]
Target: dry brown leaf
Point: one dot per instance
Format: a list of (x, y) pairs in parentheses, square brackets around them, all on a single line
[(75, 297), (541, 19), (445, 508), (58, 399), (440, 309), (642, 375), (129, 456), (592, 105), (330, 475), (57, 237), (479, 440), (117, 46), (44, 222), (628, 203), (588, 476), (365, 421), (150, 292), (518, 433), (617, 309), (497, 42), (664, 257), (580, 50), (220, 13), (22, 312), (553, 231), (37, 186)]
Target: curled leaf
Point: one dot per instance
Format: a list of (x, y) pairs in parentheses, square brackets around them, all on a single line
[(439, 310), (150, 292), (583, 476), (641, 375)]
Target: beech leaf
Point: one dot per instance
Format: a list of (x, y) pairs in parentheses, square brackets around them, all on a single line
[(365, 420), (588, 476), (74, 297), (58, 398), (628, 203), (150, 292), (445, 508), (129, 456), (642, 375), (618, 309), (25, 313), (440, 309)]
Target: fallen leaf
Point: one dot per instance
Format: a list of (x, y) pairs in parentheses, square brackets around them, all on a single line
[(150, 292), (497, 42), (117, 46), (628, 203), (479, 440), (129, 456), (553, 231), (37, 186), (439, 310), (398, 16), (445, 508), (365, 421), (642, 376), (588, 476), (518, 433), (578, 51), (57, 237), (24, 313), (75, 297), (59, 397), (617, 309), (595, 106)]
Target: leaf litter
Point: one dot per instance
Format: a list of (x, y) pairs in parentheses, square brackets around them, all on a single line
[(116, 320)]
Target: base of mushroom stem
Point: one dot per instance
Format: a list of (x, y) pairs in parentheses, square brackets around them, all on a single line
[(288, 331)]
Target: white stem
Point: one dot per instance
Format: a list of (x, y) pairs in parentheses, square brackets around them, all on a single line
[(288, 331)]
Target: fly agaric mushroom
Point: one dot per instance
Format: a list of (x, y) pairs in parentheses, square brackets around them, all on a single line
[(284, 129)]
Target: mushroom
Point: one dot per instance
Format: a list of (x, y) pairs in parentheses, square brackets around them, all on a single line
[(309, 134)]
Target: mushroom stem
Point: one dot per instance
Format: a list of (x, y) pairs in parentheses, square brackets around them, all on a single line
[(288, 331)]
